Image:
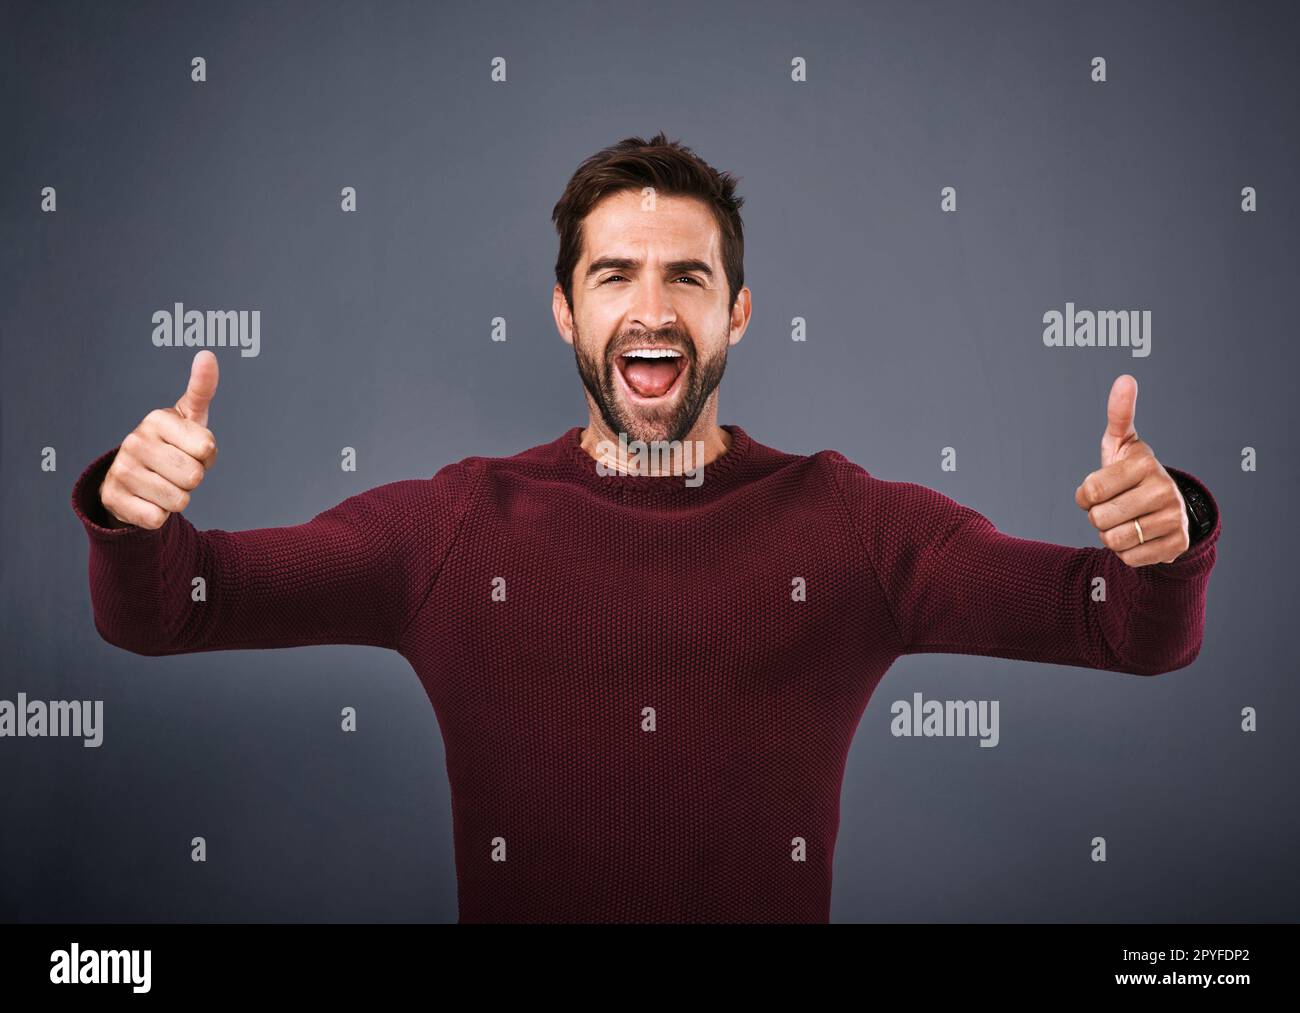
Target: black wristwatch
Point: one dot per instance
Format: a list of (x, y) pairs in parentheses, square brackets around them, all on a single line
[(1199, 511)]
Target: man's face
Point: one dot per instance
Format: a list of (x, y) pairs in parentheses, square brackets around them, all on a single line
[(651, 278)]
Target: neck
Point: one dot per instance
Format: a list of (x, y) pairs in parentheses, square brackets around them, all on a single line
[(707, 442)]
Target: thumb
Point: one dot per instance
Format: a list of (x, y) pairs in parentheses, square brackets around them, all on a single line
[(1121, 406), (193, 404)]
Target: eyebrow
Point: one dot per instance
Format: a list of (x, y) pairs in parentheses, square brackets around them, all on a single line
[(631, 264)]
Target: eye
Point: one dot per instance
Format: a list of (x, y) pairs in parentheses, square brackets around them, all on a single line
[(693, 281)]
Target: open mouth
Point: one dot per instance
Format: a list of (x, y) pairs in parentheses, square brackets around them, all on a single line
[(651, 374)]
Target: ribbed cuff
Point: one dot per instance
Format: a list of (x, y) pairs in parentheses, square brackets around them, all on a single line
[(90, 510)]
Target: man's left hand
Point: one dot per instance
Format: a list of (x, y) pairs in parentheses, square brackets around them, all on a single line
[(1131, 485)]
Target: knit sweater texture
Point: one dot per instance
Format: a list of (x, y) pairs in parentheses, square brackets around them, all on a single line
[(647, 689)]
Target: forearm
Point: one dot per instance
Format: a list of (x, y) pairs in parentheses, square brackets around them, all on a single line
[(354, 574), (958, 585), (140, 579)]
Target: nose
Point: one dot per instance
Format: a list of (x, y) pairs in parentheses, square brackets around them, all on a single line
[(652, 306)]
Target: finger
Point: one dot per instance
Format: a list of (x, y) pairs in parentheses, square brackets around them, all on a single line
[(176, 466), (130, 509), (1108, 482), (1143, 498), (182, 433), (140, 481), (204, 373), (1121, 407), (1154, 525), (1162, 550)]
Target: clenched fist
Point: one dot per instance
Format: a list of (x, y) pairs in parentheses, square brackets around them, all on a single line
[(165, 457), (1131, 500)]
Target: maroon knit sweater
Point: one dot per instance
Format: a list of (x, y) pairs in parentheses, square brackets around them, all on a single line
[(642, 722)]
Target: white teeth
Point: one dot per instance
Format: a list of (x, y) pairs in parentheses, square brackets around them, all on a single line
[(654, 353)]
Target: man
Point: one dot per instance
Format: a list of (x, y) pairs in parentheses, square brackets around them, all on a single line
[(648, 673)]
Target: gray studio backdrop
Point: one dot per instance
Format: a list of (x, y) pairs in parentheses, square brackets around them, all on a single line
[(924, 331)]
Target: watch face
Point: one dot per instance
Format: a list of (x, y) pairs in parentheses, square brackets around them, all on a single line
[(1198, 509)]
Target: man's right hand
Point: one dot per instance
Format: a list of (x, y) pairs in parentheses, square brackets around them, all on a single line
[(165, 456)]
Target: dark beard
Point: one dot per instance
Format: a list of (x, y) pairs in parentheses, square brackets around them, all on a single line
[(674, 424)]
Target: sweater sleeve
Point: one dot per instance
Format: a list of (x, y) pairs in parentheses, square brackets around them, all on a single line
[(957, 585), (356, 573)]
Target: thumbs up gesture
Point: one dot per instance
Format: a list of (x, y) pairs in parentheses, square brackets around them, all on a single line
[(165, 457), (1131, 500)]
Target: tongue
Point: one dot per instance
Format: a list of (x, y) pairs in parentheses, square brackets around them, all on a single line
[(650, 377)]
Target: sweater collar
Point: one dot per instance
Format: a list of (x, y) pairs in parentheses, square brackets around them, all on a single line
[(720, 472)]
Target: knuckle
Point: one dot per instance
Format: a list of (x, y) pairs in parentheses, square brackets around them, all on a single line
[(123, 472), (149, 516)]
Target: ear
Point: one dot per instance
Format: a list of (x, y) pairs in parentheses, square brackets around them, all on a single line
[(563, 316), (740, 316)]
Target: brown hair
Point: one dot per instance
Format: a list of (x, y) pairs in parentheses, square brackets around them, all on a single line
[(673, 170)]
